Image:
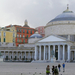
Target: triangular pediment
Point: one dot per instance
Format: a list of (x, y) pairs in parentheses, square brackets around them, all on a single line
[(52, 38)]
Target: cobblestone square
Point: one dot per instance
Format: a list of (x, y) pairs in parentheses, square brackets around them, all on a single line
[(18, 68)]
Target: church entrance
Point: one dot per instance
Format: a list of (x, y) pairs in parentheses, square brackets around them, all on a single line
[(56, 54)]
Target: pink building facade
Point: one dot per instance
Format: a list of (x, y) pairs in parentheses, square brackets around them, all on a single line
[(41, 30)]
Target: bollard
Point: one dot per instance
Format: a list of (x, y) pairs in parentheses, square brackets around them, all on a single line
[(21, 73)]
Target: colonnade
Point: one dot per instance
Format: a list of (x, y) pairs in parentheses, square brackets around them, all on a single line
[(43, 52), (17, 55)]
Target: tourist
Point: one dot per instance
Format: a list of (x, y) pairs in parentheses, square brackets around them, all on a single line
[(63, 67), (48, 70), (53, 70), (56, 71), (59, 67)]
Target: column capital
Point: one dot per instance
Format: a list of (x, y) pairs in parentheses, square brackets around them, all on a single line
[(39, 45), (49, 45)]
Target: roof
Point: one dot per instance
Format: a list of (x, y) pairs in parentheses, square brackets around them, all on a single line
[(52, 38), (66, 15), (19, 26), (36, 35)]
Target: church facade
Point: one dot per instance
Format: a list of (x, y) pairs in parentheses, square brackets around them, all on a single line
[(59, 37)]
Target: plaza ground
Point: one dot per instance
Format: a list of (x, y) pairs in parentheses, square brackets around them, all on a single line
[(21, 68)]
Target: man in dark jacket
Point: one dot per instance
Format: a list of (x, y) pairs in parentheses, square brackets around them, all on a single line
[(59, 67), (53, 70)]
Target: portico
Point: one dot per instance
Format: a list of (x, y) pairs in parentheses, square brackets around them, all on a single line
[(44, 47)]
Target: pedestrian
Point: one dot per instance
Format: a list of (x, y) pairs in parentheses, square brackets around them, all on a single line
[(59, 67), (53, 70), (56, 71), (63, 67), (48, 70)]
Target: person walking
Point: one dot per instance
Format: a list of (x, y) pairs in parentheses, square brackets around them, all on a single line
[(48, 70), (63, 67), (53, 70), (56, 71), (59, 67)]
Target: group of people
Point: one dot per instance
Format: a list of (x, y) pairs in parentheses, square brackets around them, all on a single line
[(55, 70)]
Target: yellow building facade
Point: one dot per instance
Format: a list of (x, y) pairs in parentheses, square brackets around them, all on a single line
[(7, 35)]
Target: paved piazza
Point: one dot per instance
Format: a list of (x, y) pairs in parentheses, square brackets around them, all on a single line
[(18, 68)]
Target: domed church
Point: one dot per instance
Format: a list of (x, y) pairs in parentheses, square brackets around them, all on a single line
[(59, 37)]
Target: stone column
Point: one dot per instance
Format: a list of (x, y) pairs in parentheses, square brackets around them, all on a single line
[(54, 49), (68, 53), (63, 52), (21, 55), (25, 55), (58, 52), (29, 55), (49, 52), (40, 53), (35, 52), (44, 52), (4, 56)]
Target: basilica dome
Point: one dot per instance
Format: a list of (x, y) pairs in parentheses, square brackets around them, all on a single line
[(66, 15), (36, 35), (63, 24)]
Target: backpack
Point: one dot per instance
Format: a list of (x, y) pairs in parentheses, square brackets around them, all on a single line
[(55, 71)]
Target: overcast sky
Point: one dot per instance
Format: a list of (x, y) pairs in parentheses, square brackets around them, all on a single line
[(37, 12)]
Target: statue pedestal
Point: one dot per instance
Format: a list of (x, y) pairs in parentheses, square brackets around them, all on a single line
[(53, 59)]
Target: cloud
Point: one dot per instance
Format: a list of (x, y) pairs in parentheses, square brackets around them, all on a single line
[(37, 12)]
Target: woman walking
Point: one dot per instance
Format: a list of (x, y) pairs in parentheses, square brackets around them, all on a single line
[(48, 70)]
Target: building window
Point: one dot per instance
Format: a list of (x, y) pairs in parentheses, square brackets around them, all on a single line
[(4, 39), (17, 35), (24, 41), (31, 32), (27, 31), (13, 34), (20, 30), (0, 39), (23, 36), (13, 40), (17, 30), (27, 36), (20, 40), (4, 33), (20, 35), (23, 31), (13, 44), (17, 40), (0, 33)]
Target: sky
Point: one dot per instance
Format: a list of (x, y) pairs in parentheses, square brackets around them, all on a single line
[(36, 12)]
